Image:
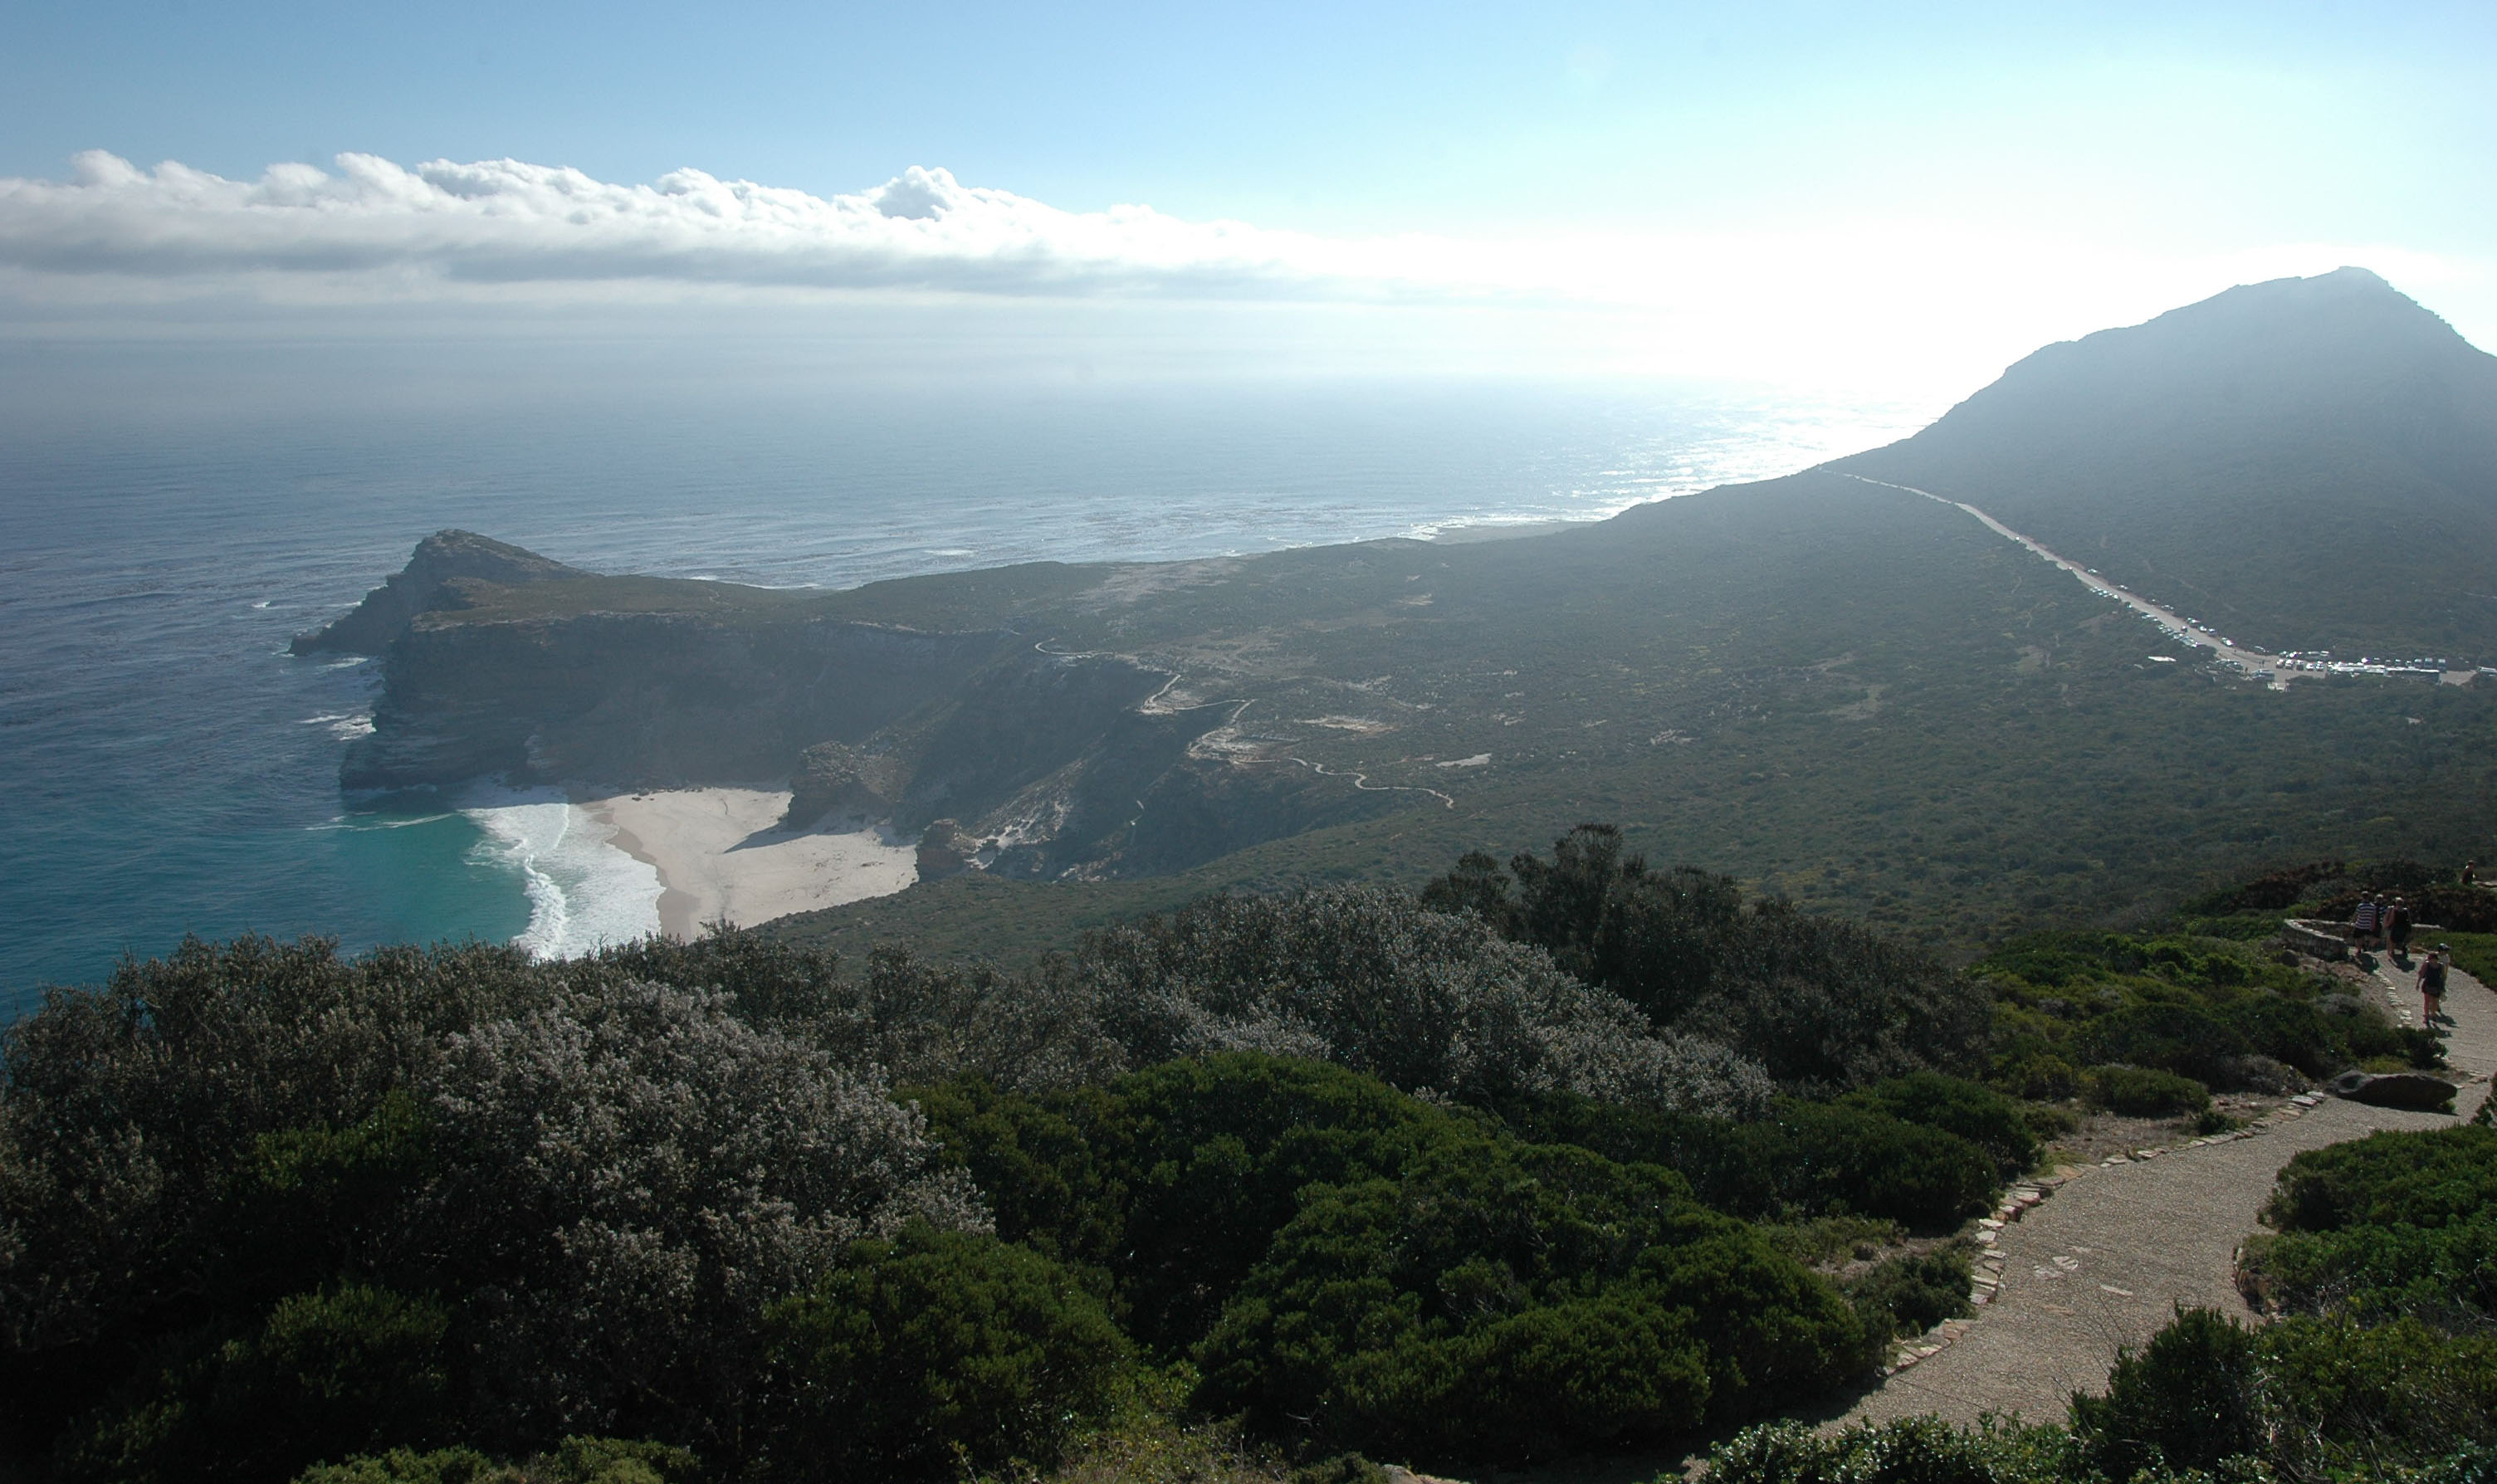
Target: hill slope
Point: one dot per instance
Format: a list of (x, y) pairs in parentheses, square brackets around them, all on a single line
[(2306, 464), (1848, 693)]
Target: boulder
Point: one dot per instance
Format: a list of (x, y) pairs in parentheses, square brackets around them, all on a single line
[(2395, 1089), (833, 778), (945, 849)]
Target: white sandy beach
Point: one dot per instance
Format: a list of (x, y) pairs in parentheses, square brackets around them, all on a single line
[(720, 854)]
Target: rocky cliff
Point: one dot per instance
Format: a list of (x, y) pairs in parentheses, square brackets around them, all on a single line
[(430, 583), (649, 700), (1011, 758)]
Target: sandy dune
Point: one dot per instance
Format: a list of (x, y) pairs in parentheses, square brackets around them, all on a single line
[(720, 854)]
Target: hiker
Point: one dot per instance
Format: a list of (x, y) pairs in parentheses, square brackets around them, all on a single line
[(2362, 921), (2471, 872), (2431, 984), (2397, 928)]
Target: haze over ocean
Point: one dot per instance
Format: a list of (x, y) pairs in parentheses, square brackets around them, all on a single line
[(172, 771)]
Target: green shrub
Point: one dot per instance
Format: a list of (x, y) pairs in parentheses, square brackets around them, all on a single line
[(1504, 1300), (1911, 1293), (2431, 1178), (1823, 1003), (1977, 1113), (2145, 1092), (1211, 1157), (1825, 1240), (1912, 1450), (324, 1375), (1804, 1160), (1035, 1163), (2039, 1076), (575, 1461), (2187, 1400), (2446, 1275), (2179, 1038), (936, 1350), (2341, 1399)]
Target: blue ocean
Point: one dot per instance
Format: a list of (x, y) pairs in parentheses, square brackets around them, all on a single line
[(170, 518)]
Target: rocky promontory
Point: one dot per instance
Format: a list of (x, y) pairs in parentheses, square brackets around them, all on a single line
[(430, 583), (1051, 763)]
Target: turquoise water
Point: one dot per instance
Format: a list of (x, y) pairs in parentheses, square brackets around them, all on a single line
[(171, 516)]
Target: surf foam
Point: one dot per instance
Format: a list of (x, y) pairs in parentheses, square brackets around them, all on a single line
[(583, 892)]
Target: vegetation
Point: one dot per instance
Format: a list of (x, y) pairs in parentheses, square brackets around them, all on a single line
[(1246, 1192), (2223, 1013)]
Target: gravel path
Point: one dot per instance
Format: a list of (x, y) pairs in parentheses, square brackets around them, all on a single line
[(2106, 1259)]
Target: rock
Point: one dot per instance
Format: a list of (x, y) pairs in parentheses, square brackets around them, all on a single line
[(835, 778), (2395, 1089), (945, 849)]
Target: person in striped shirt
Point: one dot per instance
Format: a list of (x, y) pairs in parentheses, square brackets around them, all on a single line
[(2365, 920)]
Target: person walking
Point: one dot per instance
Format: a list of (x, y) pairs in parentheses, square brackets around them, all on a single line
[(2431, 986), (2397, 928), (2362, 921)]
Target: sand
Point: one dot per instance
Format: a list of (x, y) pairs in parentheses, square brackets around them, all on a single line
[(721, 855)]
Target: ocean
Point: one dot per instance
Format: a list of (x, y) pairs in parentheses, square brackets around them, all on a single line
[(168, 521)]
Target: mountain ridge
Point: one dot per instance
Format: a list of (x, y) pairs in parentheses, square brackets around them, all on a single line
[(2313, 460)]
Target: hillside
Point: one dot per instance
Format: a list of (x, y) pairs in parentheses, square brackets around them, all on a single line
[(2308, 463), (1846, 693)]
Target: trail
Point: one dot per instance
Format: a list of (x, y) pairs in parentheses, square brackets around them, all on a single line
[(2269, 667), (2104, 1262)]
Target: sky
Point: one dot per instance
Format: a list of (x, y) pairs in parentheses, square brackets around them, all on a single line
[(1842, 193)]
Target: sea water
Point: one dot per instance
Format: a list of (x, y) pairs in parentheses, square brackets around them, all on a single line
[(168, 522)]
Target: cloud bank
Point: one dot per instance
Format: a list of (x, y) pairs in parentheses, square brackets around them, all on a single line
[(1862, 301), (507, 222)]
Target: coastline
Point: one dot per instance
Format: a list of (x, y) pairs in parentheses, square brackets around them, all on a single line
[(721, 855)]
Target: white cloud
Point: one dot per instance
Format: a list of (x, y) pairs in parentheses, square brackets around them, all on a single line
[(503, 221), (1914, 303)]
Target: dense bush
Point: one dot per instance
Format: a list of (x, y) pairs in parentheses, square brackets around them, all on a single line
[(2446, 1275), (2146, 1093), (259, 1205), (935, 1350), (1977, 1113), (1503, 1300), (2312, 1398), (2220, 1012), (1911, 1293), (2387, 1226), (575, 1461), (2432, 1179), (1912, 1450), (2188, 1400), (1418, 998), (1169, 1183), (1823, 1003), (1365, 1269), (1803, 1161)]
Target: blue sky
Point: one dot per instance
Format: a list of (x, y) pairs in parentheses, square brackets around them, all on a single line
[(2028, 169)]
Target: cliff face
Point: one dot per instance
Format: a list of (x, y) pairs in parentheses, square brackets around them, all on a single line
[(643, 698), (430, 583), (1007, 756)]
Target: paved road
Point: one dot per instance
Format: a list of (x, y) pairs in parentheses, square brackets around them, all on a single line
[(2104, 1262), (2270, 669)]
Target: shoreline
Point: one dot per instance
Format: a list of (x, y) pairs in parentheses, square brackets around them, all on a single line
[(721, 855)]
